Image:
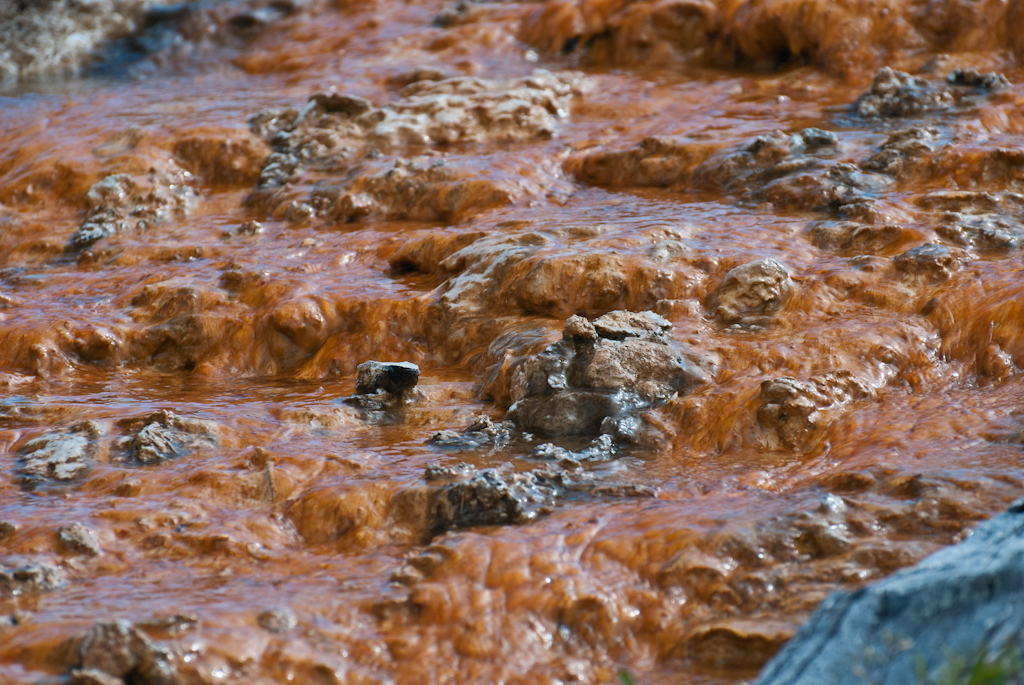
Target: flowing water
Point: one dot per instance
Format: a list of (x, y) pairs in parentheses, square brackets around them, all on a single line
[(636, 182)]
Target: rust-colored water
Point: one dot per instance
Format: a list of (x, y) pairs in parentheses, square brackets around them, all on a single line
[(697, 585)]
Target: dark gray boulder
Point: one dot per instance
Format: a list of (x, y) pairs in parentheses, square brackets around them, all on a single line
[(920, 625), (393, 377)]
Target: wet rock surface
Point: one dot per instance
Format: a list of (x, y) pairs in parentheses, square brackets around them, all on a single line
[(43, 38), (898, 94), (77, 539), (601, 376), (119, 649), (164, 435), (123, 203), (442, 111), (31, 579), (960, 603), (344, 134), (60, 456), (465, 497), (751, 294), (761, 347)]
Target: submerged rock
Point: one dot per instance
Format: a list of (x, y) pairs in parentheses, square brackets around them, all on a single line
[(418, 189), (347, 135), (964, 603), (164, 435), (984, 233), (792, 171), (61, 455), (751, 294), (898, 94), (122, 203), (856, 237), (483, 432), (794, 410), (933, 260), (276, 621), (93, 676), (119, 649), (463, 497), (737, 643), (77, 539), (490, 499), (30, 579), (450, 110), (600, 376)]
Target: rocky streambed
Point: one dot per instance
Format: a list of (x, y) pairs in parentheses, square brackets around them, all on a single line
[(522, 342)]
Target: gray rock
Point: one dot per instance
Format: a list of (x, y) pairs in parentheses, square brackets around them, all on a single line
[(619, 365), (120, 203), (461, 496), (898, 94), (29, 580), (572, 412), (963, 602), (751, 294), (276, 621), (972, 79), (396, 378), (39, 39), (77, 539), (490, 499), (164, 435), (61, 455), (483, 432)]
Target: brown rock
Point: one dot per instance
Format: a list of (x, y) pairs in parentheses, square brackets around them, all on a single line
[(77, 539), (738, 644), (751, 294), (223, 159)]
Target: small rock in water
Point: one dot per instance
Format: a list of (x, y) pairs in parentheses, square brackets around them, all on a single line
[(931, 259), (601, 375), (751, 294), (382, 386), (119, 649), (163, 435), (61, 455), (396, 378), (276, 621), (483, 432), (7, 529), (461, 496), (77, 539), (29, 579)]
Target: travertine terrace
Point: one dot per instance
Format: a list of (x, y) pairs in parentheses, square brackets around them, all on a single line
[(715, 307)]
